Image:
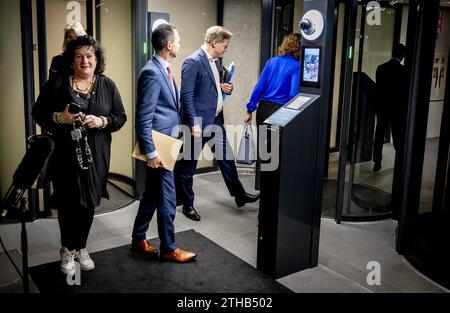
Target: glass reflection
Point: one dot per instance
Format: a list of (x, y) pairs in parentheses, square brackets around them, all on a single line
[(377, 116)]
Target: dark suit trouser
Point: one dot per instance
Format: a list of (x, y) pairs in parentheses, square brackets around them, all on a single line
[(398, 138), (159, 195), (185, 169), (380, 132), (397, 128)]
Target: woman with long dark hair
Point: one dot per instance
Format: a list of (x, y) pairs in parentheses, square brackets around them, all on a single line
[(80, 108)]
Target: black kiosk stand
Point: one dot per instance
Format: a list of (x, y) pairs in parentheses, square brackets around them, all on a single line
[(286, 211), (291, 194)]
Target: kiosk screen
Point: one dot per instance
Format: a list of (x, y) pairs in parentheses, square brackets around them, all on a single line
[(311, 66)]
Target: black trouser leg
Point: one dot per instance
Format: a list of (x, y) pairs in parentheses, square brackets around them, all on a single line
[(382, 126), (75, 224), (225, 158), (67, 226), (86, 219)]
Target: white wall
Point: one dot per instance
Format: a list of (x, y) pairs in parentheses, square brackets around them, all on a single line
[(12, 119), (243, 19), (192, 18), (116, 39)]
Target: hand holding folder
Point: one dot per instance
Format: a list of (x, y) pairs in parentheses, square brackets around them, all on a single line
[(227, 75), (167, 148)]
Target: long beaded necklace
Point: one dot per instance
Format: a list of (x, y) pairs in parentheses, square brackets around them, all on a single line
[(79, 132)]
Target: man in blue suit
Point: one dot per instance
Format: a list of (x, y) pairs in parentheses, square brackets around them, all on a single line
[(158, 109), (202, 107)]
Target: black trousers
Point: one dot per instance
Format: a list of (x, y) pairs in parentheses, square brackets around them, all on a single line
[(385, 120), (265, 109), (75, 223), (185, 169)]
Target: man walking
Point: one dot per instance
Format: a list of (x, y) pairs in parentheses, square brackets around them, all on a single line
[(202, 106), (158, 109)]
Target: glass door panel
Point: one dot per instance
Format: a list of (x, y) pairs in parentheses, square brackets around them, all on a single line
[(58, 14), (330, 182), (115, 33), (426, 240), (368, 189)]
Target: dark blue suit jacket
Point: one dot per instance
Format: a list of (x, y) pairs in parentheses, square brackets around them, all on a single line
[(198, 90), (157, 107)]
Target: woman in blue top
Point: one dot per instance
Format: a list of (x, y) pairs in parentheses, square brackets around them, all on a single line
[(279, 81)]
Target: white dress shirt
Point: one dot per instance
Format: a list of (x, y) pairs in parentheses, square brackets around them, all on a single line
[(212, 63)]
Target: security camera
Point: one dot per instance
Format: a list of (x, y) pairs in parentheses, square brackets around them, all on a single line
[(311, 25)]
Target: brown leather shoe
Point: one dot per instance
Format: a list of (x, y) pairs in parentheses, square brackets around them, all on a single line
[(179, 256), (143, 246)]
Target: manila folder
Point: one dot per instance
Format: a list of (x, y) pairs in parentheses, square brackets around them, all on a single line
[(167, 147)]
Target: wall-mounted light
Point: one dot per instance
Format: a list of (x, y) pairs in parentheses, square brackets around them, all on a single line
[(311, 25)]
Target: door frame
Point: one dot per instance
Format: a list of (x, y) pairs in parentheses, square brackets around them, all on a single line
[(421, 40)]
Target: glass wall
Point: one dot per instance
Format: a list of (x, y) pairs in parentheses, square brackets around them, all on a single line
[(330, 182), (368, 191), (284, 18), (425, 239), (58, 14), (438, 85)]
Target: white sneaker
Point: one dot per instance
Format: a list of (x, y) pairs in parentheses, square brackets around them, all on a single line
[(86, 263), (67, 261)]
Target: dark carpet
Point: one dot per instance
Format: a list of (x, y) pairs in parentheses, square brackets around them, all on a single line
[(119, 270)]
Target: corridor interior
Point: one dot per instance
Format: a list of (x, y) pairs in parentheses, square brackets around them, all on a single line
[(345, 249)]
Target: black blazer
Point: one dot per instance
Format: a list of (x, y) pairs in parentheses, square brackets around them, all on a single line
[(70, 183), (391, 87)]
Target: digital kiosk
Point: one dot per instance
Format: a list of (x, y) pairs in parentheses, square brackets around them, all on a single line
[(285, 215), (291, 193)]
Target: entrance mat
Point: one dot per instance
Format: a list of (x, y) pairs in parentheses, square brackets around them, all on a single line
[(120, 270)]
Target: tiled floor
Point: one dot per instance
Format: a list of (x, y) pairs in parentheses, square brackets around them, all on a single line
[(345, 249)]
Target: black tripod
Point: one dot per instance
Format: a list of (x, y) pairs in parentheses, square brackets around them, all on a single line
[(12, 198), (33, 168)]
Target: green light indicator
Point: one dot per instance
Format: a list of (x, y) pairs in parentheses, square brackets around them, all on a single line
[(145, 48), (350, 52)]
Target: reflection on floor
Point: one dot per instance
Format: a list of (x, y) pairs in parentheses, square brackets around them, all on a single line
[(345, 250), (368, 203)]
